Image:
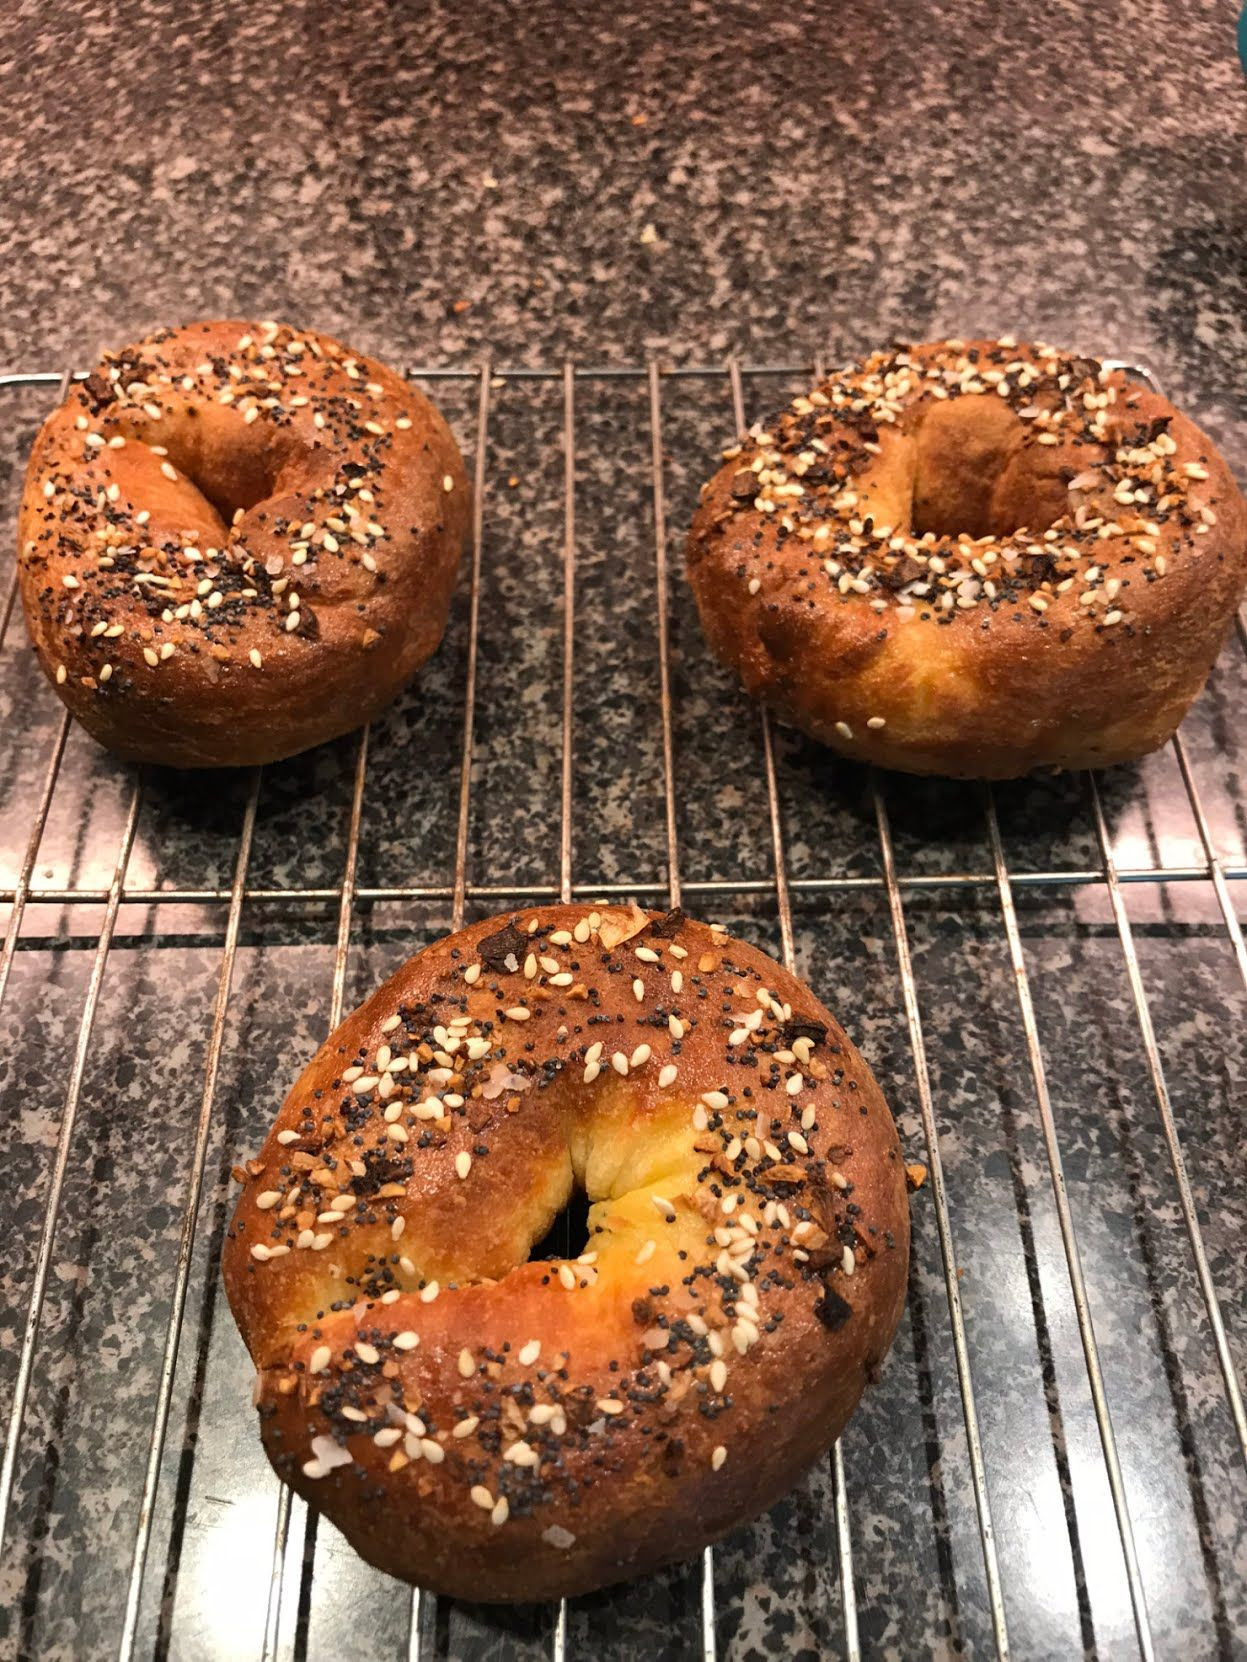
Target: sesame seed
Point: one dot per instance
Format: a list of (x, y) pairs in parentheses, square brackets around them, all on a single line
[(429, 1293), (319, 1359), (718, 1457), (610, 1405), (500, 1513), (169, 471), (667, 1076), (718, 1375), (465, 1428), (472, 974), (467, 1366), (481, 1497), (366, 1353), (517, 1012), (406, 1340), (664, 1206), (530, 1352), (463, 1163), (448, 483), (567, 1276)]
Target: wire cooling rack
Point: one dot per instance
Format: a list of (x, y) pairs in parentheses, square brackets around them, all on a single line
[(1053, 1459)]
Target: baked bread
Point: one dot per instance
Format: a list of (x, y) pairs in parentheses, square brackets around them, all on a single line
[(498, 1428), (974, 559), (237, 540)]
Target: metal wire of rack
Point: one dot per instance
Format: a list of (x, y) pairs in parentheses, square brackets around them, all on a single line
[(291, 1585)]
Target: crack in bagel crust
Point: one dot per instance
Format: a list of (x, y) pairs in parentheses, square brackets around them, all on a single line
[(973, 558), (499, 1428), (237, 540)]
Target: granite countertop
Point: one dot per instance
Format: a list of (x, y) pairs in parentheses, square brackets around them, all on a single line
[(437, 184)]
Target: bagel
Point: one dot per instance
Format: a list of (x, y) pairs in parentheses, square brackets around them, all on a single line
[(237, 540), (973, 559), (500, 1428)]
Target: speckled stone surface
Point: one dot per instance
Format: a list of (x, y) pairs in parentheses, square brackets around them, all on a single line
[(816, 181)]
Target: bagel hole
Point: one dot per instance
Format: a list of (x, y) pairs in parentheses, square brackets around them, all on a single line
[(232, 485), (568, 1234), (974, 476), (231, 478)]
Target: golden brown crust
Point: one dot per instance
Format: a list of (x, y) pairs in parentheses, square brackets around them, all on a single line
[(197, 492), (505, 1430), (863, 561)]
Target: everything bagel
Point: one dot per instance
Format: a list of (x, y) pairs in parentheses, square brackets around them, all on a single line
[(237, 540), (973, 559), (503, 1429)]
